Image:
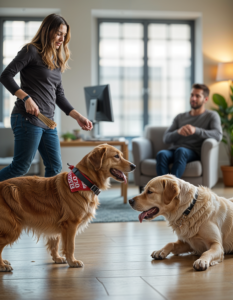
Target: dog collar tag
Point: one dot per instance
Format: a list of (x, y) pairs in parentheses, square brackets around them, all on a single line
[(70, 167)]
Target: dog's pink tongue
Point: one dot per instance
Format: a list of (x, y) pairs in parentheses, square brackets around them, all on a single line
[(142, 216)]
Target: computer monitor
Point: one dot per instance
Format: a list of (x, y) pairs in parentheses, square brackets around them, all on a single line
[(99, 105)]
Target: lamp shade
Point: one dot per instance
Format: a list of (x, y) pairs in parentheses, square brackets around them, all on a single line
[(225, 71)]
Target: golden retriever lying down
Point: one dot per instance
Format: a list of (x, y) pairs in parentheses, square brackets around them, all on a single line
[(205, 229), (48, 207)]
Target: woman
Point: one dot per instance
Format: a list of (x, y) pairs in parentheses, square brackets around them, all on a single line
[(40, 64)]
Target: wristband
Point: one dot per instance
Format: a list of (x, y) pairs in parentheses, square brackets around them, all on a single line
[(25, 98)]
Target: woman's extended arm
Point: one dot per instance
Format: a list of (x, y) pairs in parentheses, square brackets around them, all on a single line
[(65, 106), (83, 122)]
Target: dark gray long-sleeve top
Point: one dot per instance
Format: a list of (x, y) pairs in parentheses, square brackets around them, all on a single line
[(42, 84), (207, 124)]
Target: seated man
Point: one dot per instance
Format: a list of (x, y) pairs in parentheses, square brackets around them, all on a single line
[(187, 133)]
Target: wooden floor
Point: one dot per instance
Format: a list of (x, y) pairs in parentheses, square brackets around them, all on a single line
[(117, 266)]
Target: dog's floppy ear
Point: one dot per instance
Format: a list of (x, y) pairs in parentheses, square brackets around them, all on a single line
[(96, 157), (170, 190)]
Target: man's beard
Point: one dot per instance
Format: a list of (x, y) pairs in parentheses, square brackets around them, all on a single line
[(196, 107)]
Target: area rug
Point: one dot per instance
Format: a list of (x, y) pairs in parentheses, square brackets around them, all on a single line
[(112, 209)]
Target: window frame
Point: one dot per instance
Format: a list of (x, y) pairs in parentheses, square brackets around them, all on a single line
[(145, 23), (2, 20)]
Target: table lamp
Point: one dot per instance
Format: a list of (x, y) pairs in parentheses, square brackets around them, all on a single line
[(225, 71)]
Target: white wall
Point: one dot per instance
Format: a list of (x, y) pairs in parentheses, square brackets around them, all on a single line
[(217, 43)]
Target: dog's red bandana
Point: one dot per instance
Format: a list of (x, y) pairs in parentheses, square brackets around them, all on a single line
[(75, 183)]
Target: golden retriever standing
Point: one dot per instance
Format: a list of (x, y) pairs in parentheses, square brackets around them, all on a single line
[(202, 221), (47, 207)]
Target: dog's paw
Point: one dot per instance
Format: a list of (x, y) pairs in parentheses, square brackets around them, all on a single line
[(201, 265), (159, 254), (6, 262), (5, 268), (60, 260), (76, 264)]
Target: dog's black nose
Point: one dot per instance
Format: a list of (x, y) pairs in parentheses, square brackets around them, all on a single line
[(132, 166), (131, 202)]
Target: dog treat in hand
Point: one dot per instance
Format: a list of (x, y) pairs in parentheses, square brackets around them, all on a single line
[(50, 123)]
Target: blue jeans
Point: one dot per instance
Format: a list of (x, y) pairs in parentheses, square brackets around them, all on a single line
[(28, 139), (179, 157)]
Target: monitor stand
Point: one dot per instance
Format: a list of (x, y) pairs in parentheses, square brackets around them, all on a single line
[(92, 117)]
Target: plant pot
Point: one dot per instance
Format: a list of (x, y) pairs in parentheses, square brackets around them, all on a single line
[(77, 133), (67, 139), (227, 172)]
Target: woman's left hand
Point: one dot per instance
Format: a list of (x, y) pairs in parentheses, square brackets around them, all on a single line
[(83, 122)]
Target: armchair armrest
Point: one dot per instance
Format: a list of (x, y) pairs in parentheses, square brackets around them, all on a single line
[(209, 161), (142, 149)]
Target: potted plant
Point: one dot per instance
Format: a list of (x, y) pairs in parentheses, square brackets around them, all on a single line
[(68, 137), (225, 112)]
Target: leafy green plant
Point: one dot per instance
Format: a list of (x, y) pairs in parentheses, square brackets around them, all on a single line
[(225, 112), (68, 135)]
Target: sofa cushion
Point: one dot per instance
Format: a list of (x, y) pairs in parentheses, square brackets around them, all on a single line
[(193, 169)]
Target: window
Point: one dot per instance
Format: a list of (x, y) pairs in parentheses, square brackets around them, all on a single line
[(149, 66), (16, 32)]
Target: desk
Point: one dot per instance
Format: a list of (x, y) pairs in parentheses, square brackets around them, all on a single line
[(124, 150)]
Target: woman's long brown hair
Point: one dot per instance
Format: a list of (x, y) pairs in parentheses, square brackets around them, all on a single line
[(43, 41)]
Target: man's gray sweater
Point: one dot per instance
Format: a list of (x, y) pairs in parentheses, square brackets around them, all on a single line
[(207, 124)]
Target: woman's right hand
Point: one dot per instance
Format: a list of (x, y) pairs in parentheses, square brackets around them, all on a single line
[(31, 107)]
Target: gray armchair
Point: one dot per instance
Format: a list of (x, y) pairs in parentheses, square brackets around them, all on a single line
[(203, 172)]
